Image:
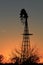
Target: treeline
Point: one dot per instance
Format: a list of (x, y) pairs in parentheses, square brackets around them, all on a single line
[(33, 58)]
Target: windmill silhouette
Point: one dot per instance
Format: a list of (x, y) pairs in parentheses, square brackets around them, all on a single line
[(25, 49)]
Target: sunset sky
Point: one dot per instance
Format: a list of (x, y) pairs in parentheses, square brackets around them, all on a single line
[(11, 27)]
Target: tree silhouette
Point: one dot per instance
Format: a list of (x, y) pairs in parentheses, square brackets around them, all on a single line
[(1, 58), (32, 58), (14, 58)]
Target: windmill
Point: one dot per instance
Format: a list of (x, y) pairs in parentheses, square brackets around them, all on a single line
[(25, 49)]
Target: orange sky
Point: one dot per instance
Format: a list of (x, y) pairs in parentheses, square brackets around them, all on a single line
[(16, 44)]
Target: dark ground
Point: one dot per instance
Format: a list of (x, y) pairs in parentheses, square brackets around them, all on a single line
[(21, 64)]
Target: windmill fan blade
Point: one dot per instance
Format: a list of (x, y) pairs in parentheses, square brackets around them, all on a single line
[(23, 14), (22, 20)]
